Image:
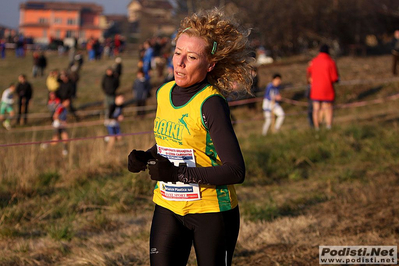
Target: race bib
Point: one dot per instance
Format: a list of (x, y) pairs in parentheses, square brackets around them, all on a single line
[(179, 191)]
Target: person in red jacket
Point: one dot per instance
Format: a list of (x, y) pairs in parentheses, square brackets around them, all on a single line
[(322, 73)]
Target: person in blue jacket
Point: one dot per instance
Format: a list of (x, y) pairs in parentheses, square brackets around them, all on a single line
[(271, 104)]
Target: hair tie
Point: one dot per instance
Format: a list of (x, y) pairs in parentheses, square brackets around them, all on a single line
[(186, 29), (214, 47)]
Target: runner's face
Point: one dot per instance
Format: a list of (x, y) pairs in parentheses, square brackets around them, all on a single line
[(190, 62)]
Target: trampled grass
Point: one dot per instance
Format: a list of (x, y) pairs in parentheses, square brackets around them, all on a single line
[(302, 190)]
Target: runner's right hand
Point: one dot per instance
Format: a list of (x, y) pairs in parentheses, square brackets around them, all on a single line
[(137, 160)]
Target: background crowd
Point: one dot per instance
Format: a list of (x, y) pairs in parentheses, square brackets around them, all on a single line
[(154, 64)]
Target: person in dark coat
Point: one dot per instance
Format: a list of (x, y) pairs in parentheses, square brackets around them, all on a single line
[(42, 64), (65, 91), (141, 89), (109, 85), (25, 93)]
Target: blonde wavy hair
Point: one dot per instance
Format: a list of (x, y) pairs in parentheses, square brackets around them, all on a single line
[(227, 46)]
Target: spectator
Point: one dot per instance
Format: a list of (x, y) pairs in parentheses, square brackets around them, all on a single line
[(25, 93), (90, 49), (147, 59), (65, 91), (59, 125), (117, 67), (322, 73), (52, 81), (310, 103), (117, 44), (170, 75), (71, 56), (42, 64), (254, 87), (158, 61), (7, 100), (3, 48), (35, 67), (108, 48), (97, 49), (78, 60), (52, 103), (109, 85), (112, 122), (270, 104), (74, 77), (19, 48), (395, 51), (141, 89)]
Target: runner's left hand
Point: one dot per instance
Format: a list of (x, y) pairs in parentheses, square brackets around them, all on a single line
[(161, 169)]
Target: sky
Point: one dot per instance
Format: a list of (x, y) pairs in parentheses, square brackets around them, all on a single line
[(9, 9)]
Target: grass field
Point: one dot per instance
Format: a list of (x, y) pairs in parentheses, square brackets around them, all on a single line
[(301, 190)]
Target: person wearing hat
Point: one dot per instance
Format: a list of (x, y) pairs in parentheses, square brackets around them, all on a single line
[(322, 73)]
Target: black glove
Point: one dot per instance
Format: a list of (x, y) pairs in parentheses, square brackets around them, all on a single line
[(137, 160), (161, 169)]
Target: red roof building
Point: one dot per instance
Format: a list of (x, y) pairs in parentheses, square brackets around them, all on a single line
[(59, 20)]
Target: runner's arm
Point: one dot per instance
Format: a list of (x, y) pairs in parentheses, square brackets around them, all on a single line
[(216, 114)]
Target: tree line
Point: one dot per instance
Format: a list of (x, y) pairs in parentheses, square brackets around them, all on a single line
[(289, 27)]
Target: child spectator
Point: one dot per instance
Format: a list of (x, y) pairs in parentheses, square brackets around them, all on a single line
[(7, 99), (112, 123), (270, 104), (59, 124), (42, 64), (53, 102)]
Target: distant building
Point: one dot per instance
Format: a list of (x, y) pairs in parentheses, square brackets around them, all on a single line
[(150, 17), (4, 31), (44, 21), (114, 24)]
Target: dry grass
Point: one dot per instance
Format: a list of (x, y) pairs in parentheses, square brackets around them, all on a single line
[(300, 192)]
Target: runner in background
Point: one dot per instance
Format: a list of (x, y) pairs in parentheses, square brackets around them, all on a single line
[(270, 105), (197, 159)]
